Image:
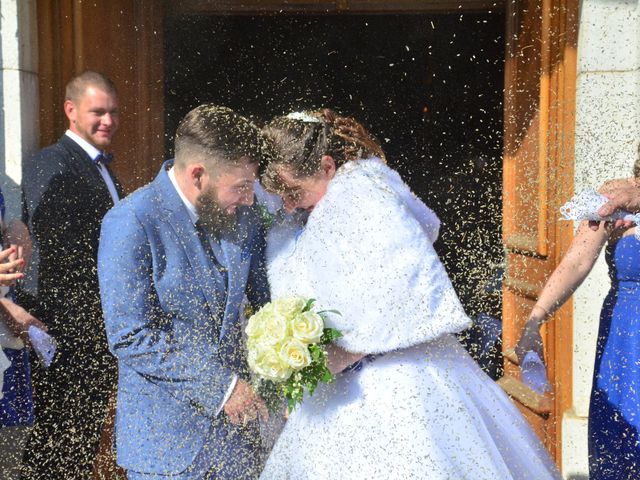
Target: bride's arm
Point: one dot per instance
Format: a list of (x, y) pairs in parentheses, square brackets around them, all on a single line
[(338, 359)]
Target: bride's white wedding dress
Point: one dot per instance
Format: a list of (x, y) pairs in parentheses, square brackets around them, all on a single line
[(422, 409)]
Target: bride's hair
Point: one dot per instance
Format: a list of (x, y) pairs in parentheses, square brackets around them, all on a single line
[(300, 139)]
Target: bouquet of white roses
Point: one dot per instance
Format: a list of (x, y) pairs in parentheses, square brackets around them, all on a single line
[(285, 344)]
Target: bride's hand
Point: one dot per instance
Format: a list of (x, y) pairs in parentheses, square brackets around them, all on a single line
[(338, 359), (530, 340)]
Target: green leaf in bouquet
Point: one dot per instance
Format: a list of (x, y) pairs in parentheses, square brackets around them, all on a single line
[(266, 217), (292, 402), (329, 335), (317, 353), (327, 376), (293, 391), (309, 305), (311, 386)]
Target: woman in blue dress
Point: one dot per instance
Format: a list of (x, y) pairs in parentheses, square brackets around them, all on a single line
[(614, 413)]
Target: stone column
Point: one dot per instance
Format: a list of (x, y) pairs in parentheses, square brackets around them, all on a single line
[(607, 136), (18, 95)]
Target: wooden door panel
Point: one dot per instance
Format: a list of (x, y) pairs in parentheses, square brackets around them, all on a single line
[(55, 64), (539, 122), (525, 197)]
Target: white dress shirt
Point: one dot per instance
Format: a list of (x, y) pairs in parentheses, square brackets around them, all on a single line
[(93, 152), (193, 215)]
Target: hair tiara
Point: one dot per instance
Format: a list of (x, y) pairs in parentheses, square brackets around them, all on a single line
[(303, 117)]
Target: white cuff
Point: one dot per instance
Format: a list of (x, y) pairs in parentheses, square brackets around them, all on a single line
[(232, 385)]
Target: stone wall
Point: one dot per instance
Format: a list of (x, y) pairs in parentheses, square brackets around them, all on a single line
[(18, 95)]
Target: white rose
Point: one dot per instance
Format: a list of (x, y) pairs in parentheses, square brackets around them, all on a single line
[(267, 326), (289, 306), (267, 363), (275, 329), (307, 327), (295, 354), (255, 325)]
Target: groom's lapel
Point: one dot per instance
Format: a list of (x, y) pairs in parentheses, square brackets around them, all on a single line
[(231, 250), (209, 279), (233, 244)]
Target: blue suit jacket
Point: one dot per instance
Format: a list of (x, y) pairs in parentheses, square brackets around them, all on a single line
[(169, 315)]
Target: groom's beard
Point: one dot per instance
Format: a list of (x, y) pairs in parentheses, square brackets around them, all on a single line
[(212, 216)]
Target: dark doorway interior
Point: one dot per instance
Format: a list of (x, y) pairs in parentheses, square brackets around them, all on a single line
[(429, 87)]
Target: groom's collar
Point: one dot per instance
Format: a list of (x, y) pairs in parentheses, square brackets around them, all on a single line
[(168, 194), (193, 214)]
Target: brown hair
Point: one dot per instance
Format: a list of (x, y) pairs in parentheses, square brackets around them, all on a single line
[(636, 165), (300, 140), (215, 133), (77, 85)]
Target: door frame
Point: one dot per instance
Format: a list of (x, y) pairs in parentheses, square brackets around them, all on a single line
[(538, 173)]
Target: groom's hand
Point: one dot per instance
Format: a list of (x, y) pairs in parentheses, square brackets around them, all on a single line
[(244, 405)]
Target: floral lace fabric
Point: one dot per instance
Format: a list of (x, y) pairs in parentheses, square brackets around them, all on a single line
[(585, 205)]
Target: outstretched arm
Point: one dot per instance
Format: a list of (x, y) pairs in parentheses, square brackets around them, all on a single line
[(565, 279)]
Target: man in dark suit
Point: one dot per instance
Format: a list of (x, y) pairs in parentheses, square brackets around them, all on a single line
[(67, 189)]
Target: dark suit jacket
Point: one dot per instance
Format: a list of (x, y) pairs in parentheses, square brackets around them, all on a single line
[(64, 201)]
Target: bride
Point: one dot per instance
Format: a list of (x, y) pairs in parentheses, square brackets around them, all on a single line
[(408, 401)]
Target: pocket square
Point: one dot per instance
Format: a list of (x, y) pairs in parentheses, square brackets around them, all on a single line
[(43, 344)]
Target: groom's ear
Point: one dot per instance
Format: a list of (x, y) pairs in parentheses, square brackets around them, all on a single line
[(328, 166), (195, 173)]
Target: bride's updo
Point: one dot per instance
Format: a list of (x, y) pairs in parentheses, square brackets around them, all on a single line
[(301, 139)]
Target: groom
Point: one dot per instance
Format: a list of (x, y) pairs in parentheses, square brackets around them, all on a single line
[(176, 259)]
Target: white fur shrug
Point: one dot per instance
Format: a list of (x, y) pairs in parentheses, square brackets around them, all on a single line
[(367, 252)]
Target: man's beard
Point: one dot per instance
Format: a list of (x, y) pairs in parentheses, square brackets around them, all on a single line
[(212, 216)]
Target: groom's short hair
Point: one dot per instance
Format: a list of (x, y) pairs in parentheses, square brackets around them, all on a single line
[(216, 135)]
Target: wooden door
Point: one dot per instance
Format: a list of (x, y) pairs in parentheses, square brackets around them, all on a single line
[(122, 39), (539, 108)]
